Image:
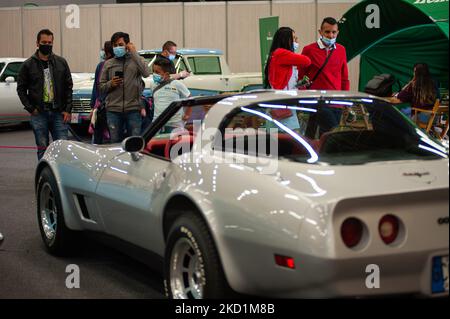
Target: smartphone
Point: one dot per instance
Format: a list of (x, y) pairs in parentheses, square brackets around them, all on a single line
[(119, 74)]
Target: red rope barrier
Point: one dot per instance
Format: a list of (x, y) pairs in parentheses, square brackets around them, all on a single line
[(22, 147)]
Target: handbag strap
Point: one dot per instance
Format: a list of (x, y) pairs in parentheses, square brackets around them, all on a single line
[(323, 66), (160, 86)]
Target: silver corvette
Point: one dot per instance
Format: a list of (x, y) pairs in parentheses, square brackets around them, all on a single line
[(268, 193)]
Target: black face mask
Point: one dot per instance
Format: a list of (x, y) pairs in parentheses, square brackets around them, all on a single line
[(45, 49)]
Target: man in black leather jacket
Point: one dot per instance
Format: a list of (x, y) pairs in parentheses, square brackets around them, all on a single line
[(44, 86)]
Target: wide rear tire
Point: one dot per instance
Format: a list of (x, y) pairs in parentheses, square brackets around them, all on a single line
[(192, 267)]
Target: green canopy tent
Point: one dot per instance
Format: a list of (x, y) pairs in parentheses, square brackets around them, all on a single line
[(392, 35)]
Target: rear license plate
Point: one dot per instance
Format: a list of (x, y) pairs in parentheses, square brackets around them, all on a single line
[(439, 274), (75, 118)]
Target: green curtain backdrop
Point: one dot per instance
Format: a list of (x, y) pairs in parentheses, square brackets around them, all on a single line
[(409, 31), (398, 54)]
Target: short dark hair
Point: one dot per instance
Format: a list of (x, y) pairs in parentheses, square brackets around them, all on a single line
[(44, 31), (164, 64), (329, 20), (116, 36), (168, 44), (107, 47)]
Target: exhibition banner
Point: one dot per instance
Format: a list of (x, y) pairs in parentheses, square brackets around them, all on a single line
[(267, 28)]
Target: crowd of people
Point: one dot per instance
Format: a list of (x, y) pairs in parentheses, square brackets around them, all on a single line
[(118, 106)]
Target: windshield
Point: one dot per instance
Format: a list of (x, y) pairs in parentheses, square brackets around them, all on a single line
[(332, 131), (178, 62)]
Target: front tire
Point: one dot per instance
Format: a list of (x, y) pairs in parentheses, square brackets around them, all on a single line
[(192, 267), (57, 238)]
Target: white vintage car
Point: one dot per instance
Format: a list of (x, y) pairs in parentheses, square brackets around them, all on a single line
[(11, 109), (210, 75), (277, 193)]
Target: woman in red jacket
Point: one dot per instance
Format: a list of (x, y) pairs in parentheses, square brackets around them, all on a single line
[(283, 63), (281, 71)]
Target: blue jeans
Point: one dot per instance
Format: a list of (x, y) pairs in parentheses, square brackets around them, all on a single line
[(117, 121), (45, 122)]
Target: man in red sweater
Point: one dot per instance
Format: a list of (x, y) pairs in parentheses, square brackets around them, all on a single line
[(334, 76)]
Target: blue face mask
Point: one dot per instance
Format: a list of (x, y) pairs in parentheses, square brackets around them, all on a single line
[(102, 55), (295, 46), (119, 51), (157, 78), (328, 42), (171, 57)]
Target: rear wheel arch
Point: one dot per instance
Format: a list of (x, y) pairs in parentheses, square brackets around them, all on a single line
[(39, 170), (175, 208)]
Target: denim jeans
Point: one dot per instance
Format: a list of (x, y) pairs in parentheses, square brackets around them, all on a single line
[(118, 121), (45, 122)]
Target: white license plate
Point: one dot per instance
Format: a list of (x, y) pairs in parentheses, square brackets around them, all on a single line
[(439, 274), (75, 117)]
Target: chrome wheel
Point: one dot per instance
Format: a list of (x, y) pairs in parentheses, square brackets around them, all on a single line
[(48, 211), (187, 278)]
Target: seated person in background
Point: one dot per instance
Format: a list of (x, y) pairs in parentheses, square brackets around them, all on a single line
[(165, 91), (422, 91)]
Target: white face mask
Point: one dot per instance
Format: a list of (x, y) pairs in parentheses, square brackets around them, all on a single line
[(296, 47), (171, 57), (328, 42)]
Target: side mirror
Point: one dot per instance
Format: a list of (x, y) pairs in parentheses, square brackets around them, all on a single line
[(10, 79), (133, 144)]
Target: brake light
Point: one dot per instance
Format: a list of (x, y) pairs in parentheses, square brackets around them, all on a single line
[(388, 228), (285, 261), (351, 232)]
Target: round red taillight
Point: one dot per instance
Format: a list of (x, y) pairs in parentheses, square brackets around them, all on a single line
[(389, 227), (351, 232)]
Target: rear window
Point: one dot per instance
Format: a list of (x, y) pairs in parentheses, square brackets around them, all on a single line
[(335, 132)]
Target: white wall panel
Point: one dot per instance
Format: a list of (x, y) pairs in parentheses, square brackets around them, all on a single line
[(81, 46), (353, 70), (162, 22), (243, 34), (300, 16), (205, 25), (11, 35), (36, 19), (122, 17)]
